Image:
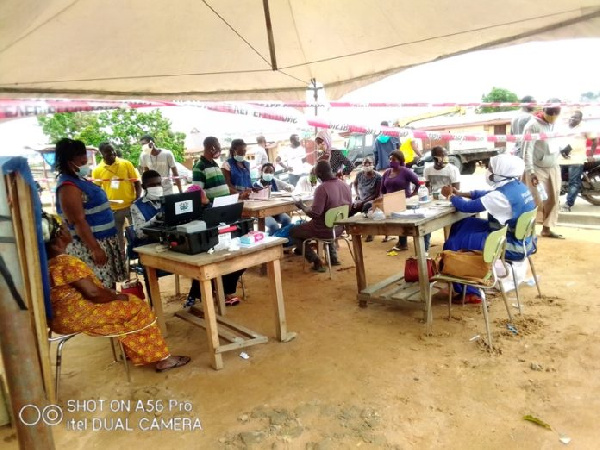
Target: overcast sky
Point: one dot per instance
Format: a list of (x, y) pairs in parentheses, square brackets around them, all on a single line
[(561, 69)]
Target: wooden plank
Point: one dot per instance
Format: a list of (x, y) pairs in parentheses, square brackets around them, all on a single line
[(156, 299), (212, 332), (401, 303), (35, 293), (382, 284), (239, 328), (200, 322), (243, 344)]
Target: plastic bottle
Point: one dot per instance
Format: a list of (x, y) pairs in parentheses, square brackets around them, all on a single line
[(423, 193), (542, 192)]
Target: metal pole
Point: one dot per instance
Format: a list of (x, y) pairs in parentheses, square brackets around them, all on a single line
[(17, 342)]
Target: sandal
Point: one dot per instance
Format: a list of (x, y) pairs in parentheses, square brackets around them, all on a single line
[(178, 361), (553, 235), (232, 301), (395, 248), (336, 263), (387, 238)]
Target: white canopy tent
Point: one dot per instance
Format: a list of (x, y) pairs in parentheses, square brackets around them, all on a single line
[(254, 49)]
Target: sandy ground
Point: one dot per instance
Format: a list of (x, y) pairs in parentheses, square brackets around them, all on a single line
[(366, 378)]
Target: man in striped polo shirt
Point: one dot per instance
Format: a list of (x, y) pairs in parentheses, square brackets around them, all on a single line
[(207, 173)]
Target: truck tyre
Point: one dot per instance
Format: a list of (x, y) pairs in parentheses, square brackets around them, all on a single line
[(457, 162), (468, 168)]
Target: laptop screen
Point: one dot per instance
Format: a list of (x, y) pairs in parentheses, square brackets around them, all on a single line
[(181, 208), (223, 214)]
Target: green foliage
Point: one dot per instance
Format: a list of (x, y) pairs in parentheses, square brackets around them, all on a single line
[(121, 127), (590, 96), (498, 95)]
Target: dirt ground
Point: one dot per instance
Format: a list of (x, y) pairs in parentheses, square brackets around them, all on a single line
[(366, 378)]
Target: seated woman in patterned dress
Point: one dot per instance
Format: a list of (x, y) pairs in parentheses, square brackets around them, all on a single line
[(81, 304)]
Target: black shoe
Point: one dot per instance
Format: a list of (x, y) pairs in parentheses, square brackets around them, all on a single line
[(369, 238)]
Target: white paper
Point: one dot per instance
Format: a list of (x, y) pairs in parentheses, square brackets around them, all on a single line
[(226, 200), (263, 194)]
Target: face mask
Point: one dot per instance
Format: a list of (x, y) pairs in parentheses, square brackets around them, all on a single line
[(312, 179), (83, 171), (155, 192), (238, 158), (268, 177), (368, 169), (146, 149), (394, 164)]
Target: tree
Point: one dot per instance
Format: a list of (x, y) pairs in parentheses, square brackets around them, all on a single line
[(121, 127), (498, 95), (590, 96)]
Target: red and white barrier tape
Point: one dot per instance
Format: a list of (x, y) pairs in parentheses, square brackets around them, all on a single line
[(24, 108)]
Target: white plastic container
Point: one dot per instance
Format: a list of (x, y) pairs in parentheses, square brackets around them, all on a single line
[(423, 193)]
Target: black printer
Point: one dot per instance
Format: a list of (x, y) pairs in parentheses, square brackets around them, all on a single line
[(188, 227)]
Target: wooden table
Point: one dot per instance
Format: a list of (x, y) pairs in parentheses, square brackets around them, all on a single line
[(417, 228), (261, 209), (206, 267)]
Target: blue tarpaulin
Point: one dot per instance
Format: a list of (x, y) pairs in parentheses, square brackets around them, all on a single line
[(19, 165)]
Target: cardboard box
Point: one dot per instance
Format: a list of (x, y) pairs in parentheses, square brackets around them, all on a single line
[(389, 203)]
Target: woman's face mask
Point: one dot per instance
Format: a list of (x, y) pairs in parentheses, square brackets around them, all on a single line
[(146, 149), (268, 177), (395, 164), (82, 171), (238, 158), (312, 179)]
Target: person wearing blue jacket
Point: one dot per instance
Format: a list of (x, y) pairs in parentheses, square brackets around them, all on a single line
[(384, 146), (508, 199)]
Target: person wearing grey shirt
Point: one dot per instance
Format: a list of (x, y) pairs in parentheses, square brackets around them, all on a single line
[(518, 123), (542, 166)]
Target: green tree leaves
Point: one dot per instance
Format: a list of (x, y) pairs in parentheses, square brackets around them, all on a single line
[(498, 95), (122, 127)]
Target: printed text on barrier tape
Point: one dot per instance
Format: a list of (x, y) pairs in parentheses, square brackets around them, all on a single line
[(321, 123)]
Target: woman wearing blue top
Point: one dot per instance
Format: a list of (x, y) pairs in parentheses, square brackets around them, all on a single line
[(268, 180), (504, 203), (86, 210), (237, 170)]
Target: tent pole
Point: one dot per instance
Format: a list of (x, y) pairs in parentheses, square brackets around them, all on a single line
[(18, 347)]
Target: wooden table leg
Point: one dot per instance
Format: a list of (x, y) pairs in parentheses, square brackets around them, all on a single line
[(274, 269), (261, 224), (262, 227), (212, 332), (177, 285), (156, 300), (361, 277), (447, 232), (221, 296), (423, 279)]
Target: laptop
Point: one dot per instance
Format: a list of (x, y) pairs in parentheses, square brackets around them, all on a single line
[(181, 208), (222, 214)]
